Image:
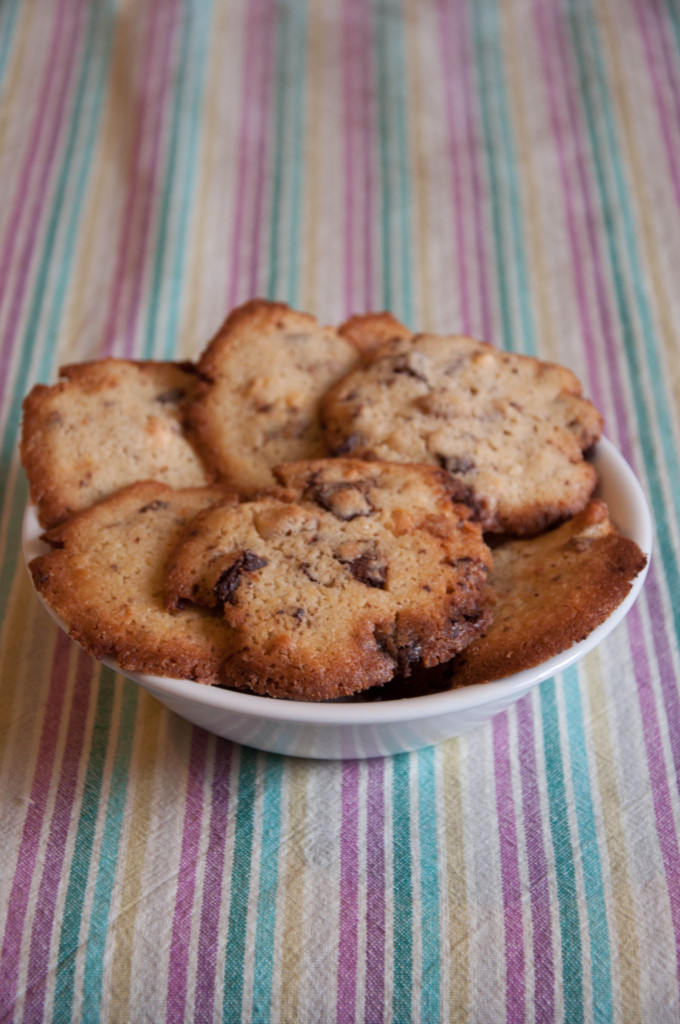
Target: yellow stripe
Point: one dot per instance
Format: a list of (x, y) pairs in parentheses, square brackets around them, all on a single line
[(293, 881), (421, 186), (310, 291), (514, 31), (20, 75), (204, 276), (102, 219), (666, 313), (142, 785), (626, 937), (455, 883), (26, 654)]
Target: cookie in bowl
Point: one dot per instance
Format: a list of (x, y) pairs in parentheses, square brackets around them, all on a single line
[(104, 425), (104, 579), (511, 430), (262, 377), (352, 572)]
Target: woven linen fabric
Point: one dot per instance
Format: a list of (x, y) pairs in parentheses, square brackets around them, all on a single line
[(508, 170)]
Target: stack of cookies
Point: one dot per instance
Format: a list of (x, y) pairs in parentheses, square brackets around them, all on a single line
[(311, 513)]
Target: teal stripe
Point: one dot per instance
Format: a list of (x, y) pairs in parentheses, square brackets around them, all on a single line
[(289, 155), (8, 19), (180, 184), (268, 884), (95, 956), (240, 888), (288, 158), (75, 167), (428, 828), (395, 199), (512, 273), (402, 889), (69, 938), (565, 874), (590, 854), (673, 14), (617, 214)]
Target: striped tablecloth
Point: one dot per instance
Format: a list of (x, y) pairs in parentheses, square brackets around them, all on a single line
[(510, 170)]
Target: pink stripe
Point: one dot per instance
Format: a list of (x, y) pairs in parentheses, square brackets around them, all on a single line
[(668, 122), (349, 899), (664, 659), (359, 146), (537, 865), (52, 103), (671, 697), (555, 59), (452, 97), (479, 199), (465, 60), (350, 78), (251, 147), (186, 882), (515, 985), (43, 921), (667, 837), (369, 130), (263, 105), (30, 841), (134, 235), (208, 937), (663, 802), (375, 894), (160, 102)]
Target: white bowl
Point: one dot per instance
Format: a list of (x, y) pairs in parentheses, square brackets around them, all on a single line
[(382, 727)]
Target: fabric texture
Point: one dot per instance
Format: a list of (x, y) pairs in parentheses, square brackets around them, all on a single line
[(508, 170)]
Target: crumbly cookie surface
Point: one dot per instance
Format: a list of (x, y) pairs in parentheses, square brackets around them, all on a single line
[(368, 331), (355, 571), (104, 578), (262, 377), (511, 430), (551, 592), (104, 425)]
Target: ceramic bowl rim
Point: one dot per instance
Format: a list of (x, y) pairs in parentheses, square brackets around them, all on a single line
[(408, 709)]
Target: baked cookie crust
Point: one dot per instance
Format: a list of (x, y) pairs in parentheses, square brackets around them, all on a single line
[(551, 592), (104, 425), (104, 578), (356, 570), (262, 377), (510, 429)]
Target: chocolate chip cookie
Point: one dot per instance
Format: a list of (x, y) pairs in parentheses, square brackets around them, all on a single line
[(351, 572), (104, 578), (262, 376), (551, 591), (104, 425), (510, 430)]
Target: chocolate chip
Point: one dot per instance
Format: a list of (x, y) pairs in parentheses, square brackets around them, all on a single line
[(368, 568), (413, 364), (171, 397), (349, 445), (465, 495), (403, 655), (369, 571), (345, 500), (456, 463), (153, 506), (229, 581)]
